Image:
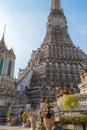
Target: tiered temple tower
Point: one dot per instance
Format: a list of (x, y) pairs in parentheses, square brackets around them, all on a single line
[(7, 81), (57, 63)]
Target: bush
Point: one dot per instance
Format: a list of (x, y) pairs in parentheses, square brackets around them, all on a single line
[(80, 119), (70, 102), (24, 116), (9, 114)]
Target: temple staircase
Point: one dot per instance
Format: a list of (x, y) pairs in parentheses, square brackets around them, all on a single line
[(24, 80)]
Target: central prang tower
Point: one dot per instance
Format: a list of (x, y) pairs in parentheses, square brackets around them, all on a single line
[(57, 63)]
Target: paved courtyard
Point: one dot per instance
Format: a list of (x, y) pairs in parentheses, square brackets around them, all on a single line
[(13, 128)]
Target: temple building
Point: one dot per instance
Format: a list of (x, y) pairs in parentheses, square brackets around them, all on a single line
[(56, 63), (7, 80)]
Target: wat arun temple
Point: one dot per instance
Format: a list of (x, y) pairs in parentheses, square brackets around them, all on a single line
[(56, 64)]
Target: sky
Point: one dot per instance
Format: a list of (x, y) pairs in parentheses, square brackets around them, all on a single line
[(26, 25)]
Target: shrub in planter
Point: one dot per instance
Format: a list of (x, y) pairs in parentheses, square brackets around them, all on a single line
[(9, 116), (24, 116), (70, 102), (80, 119), (83, 119)]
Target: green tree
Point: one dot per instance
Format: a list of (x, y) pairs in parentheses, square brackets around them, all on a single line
[(70, 102)]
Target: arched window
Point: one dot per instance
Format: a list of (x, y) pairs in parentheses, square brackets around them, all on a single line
[(9, 68)]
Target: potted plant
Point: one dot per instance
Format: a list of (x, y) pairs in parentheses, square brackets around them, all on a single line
[(49, 115), (9, 116), (24, 117), (28, 123)]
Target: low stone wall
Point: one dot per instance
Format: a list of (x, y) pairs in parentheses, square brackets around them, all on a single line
[(74, 127)]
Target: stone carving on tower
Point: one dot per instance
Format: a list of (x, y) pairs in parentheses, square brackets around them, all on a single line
[(7, 81), (57, 62)]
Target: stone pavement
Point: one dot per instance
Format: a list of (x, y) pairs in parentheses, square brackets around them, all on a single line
[(13, 128)]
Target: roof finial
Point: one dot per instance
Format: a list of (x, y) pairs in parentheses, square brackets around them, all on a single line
[(55, 4), (2, 41), (4, 32)]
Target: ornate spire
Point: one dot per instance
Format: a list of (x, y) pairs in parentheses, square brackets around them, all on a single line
[(3, 33), (55, 4), (2, 42)]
